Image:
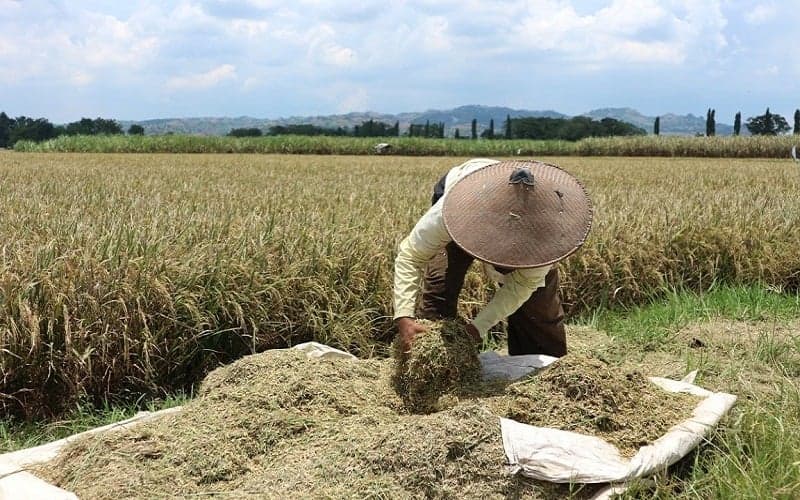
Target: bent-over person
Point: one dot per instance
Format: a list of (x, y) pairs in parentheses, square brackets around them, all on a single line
[(519, 218)]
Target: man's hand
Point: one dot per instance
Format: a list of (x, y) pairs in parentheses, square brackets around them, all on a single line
[(407, 329), (473, 332)]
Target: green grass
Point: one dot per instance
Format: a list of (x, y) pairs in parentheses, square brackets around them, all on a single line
[(653, 324), (17, 435), (674, 146)]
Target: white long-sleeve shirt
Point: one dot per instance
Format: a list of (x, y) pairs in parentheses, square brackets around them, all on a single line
[(429, 237)]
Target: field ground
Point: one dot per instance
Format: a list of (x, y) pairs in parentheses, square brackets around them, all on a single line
[(125, 278)]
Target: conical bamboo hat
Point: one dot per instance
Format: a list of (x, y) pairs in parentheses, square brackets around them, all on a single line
[(518, 214)]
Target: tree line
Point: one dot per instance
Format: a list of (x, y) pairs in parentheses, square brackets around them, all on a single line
[(369, 128), (570, 129), (40, 129), (538, 128), (766, 124)]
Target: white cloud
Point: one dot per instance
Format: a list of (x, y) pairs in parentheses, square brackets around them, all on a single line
[(336, 55), (324, 47), (205, 80), (250, 83), (768, 71), (81, 78), (760, 14), (354, 100), (626, 31)]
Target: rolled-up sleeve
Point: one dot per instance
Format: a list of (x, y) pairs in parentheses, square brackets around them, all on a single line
[(517, 288), (427, 239)]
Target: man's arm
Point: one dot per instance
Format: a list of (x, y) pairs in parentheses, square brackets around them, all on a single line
[(427, 239), (518, 287)]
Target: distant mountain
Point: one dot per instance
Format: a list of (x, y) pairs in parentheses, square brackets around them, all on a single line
[(460, 117), (671, 124)]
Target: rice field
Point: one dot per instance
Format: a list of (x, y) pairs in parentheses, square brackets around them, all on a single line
[(135, 274)]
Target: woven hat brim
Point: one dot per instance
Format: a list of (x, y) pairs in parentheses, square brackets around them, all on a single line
[(515, 225)]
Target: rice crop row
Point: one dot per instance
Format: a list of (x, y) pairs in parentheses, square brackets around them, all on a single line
[(405, 146), (123, 275), (716, 147)]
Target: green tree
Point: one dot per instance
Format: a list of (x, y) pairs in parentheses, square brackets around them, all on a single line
[(767, 124), (245, 132), (508, 126), (135, 130), (103, 126), (396, 131), (657, 126), (30, 129), (87, 126), (489, 132), (5, 129), (711, 125), (573, 129), (427, 128), (797, 122), (737, 123), (306, 129), (474, 128), (457, 134)]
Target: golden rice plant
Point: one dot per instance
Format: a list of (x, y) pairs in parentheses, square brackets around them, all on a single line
[(129, 274)]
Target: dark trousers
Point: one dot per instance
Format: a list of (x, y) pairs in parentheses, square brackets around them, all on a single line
[(537, 327)]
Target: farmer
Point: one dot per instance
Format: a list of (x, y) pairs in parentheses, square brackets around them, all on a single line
[(519, 218)]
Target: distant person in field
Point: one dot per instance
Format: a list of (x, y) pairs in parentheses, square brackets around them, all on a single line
[(517, 217)]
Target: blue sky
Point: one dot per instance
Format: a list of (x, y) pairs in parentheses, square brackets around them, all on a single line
[(270, 58)]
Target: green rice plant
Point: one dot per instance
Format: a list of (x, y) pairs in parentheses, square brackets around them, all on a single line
[(715, 147)]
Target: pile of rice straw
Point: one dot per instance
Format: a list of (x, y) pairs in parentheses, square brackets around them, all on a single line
[(442, 362), (280, 424)]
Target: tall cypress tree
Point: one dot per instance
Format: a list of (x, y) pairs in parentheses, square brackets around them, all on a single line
[(508, 126), (456, 134), (427, 128), (768, 121), (713, 128), (711, 125), (491, 128), (5, 129), (657, 126), (797, 122), (737, 123), (474, 128)]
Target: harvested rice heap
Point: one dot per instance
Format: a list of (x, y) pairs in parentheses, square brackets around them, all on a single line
[(442, 362), (588, 396), (279, 424)]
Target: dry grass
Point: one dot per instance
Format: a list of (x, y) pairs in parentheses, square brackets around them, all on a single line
[(281, 424), (441, 361), (123, 275), (589, 396)]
